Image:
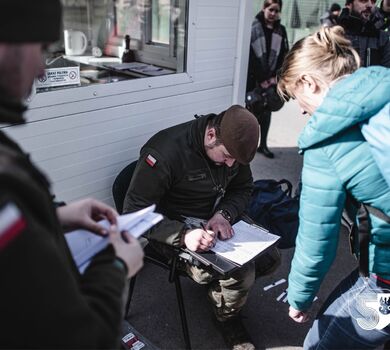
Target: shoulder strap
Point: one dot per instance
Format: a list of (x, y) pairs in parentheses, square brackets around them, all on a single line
[(364, 229), (288, 184), (361, 232), (378, 213)]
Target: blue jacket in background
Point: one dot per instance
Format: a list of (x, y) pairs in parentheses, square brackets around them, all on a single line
[(337, 160)]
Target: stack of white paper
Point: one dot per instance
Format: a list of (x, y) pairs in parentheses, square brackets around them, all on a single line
[(84, 244), (247, 242)]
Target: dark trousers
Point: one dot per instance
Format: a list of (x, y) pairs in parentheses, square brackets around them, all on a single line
[(264, 120), (350, 318)]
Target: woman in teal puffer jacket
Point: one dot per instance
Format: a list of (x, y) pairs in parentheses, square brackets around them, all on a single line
[(322, 73)]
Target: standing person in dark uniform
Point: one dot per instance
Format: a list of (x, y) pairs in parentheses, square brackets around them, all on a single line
[(44, 301), (201, 169), (268, 47), (384, 10), (360, 24), (329, 18)]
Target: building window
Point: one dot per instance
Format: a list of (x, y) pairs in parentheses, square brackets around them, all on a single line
[(160, 22), (94, 31)]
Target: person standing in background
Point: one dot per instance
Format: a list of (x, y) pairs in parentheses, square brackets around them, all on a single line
[(359, 21), (268, 47), (44, 301), (384, 10), (329, 18)]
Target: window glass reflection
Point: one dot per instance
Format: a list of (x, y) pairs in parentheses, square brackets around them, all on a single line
[(93, 40)]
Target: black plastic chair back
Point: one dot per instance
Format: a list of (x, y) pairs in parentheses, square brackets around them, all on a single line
[(121, 184), (119, 190)]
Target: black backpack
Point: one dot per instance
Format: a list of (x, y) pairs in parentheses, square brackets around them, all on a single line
[(273, 207)]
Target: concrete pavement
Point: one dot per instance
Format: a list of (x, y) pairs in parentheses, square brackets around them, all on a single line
[(154, 311)]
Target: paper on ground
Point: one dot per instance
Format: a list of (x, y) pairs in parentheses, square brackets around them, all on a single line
[(247, 242), (84, 244)]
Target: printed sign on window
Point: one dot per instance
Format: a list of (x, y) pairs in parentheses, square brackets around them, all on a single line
[(59, 77)]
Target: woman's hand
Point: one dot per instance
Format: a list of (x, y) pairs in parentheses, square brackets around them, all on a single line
[(267, 83), (298, 316), (85, 214), (272, 81)]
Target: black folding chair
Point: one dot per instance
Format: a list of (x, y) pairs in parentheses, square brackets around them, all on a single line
[(119, 189)]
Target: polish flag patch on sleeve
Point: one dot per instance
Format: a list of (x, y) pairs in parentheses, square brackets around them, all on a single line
[(150, 160), (12, 223)]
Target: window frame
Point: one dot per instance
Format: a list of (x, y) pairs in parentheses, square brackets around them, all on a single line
[(136, 86), (159, 53)]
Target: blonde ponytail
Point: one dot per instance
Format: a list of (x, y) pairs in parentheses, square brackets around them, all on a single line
[(325, 55)]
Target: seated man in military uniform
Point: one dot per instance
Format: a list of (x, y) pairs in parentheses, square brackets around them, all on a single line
[(201, 169)]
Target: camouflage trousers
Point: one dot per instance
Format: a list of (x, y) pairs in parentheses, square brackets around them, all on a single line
[(228, 294)]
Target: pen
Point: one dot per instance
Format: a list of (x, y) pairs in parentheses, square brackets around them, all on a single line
[(202, 225)]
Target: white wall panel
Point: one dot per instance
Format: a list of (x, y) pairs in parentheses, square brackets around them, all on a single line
[(82, 140), (215, 64), (202, 56), (216, 12)]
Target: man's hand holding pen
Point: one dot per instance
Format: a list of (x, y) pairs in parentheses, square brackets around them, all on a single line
[(200, 239), (211, 233)]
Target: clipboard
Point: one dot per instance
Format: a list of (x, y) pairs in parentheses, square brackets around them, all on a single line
[(223, 264), (218, 263)]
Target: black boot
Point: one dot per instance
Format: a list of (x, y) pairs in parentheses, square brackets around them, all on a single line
[(235, 334), (264, 121), (264, 150)]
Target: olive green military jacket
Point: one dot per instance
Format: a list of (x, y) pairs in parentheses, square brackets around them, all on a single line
[(175, 173)]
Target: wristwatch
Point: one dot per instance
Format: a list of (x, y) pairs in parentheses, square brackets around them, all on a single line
[(226, 215)]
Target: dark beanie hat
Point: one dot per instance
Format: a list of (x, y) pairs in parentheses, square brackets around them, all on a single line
[(27, 21), (335, 7), (240, 133)]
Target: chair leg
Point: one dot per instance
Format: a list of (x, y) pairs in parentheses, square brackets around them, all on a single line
[(184, 325), (131, 290)]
